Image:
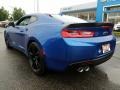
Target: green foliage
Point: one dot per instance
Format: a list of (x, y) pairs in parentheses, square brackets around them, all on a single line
[(4, 14), (116, 33), (17, 13)]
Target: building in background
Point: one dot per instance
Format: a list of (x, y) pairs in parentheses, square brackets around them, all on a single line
[(85, 11), (108, 11)]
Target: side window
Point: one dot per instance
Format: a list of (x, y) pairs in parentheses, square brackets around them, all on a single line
[(24, 21), (33, 19)]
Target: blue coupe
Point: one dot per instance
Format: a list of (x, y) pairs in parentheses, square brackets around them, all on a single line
[(56, 42)]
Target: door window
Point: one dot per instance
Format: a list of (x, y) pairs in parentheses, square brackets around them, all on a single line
[(32, 19), (24, 21)]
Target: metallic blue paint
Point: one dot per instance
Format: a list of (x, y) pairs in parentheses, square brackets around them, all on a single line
[(60, 52)]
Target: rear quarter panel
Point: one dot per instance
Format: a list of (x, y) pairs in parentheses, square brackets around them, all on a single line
[(49, 37)]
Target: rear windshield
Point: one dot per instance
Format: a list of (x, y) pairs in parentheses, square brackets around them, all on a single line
[(68, 19)]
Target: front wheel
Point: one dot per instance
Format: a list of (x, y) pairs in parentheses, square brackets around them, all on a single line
[(7, 43), (36, 58)]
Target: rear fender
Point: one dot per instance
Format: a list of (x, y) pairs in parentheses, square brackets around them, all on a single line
[(32, 39)]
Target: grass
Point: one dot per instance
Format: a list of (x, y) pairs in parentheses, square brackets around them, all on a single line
[(116, 33)]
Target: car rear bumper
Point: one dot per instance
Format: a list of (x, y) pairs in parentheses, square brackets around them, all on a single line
[(63, 65), (98, 60), (73, 51), (79, 51)]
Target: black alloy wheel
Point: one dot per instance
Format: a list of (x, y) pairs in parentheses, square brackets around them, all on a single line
[(36, 58)]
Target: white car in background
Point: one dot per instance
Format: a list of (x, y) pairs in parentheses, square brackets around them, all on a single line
[(4, 23), (117, 26)]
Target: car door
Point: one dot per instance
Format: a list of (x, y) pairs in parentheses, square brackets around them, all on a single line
[(20, 33)]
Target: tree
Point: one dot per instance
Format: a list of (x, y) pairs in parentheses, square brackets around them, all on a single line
[(18, 13), (4, 14)]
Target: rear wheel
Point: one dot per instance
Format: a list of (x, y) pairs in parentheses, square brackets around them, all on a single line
[(36, 58)]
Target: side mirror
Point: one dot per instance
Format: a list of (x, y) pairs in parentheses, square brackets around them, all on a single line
[(11, 24)]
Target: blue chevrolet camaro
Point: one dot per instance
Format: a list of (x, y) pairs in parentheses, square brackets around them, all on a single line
[(56, 42)]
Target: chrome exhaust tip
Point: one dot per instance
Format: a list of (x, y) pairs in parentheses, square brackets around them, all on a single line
[(80, 69), (86, 68)]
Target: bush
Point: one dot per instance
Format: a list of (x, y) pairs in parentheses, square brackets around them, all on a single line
[(4, 14), (17, 13), (117, 33)]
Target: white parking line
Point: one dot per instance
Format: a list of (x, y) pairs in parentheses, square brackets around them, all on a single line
[(118, 42)]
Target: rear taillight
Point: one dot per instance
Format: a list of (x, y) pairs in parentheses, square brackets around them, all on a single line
[(77, 33)]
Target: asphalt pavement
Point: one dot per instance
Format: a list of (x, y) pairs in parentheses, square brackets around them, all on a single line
[(15, 74)]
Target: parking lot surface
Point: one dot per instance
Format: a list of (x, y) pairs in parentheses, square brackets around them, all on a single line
[(15, 74)]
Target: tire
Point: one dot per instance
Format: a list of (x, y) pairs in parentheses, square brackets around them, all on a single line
[(7, 43), (36, 59)]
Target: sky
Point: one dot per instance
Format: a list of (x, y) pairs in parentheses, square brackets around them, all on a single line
[(45, 6)]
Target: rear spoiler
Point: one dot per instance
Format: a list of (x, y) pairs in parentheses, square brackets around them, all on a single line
[(78, 25)]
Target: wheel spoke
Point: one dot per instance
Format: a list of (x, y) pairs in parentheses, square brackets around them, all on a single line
[(35, 64), (34, 57)]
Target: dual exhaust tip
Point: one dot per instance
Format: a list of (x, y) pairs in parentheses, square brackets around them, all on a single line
[(82, 69)]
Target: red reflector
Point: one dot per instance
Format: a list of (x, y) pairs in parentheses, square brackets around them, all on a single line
[(77, 34), (107, 27)]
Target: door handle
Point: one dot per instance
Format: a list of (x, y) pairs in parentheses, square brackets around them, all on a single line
[(21, 31), (26, 29), (17, 27)]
